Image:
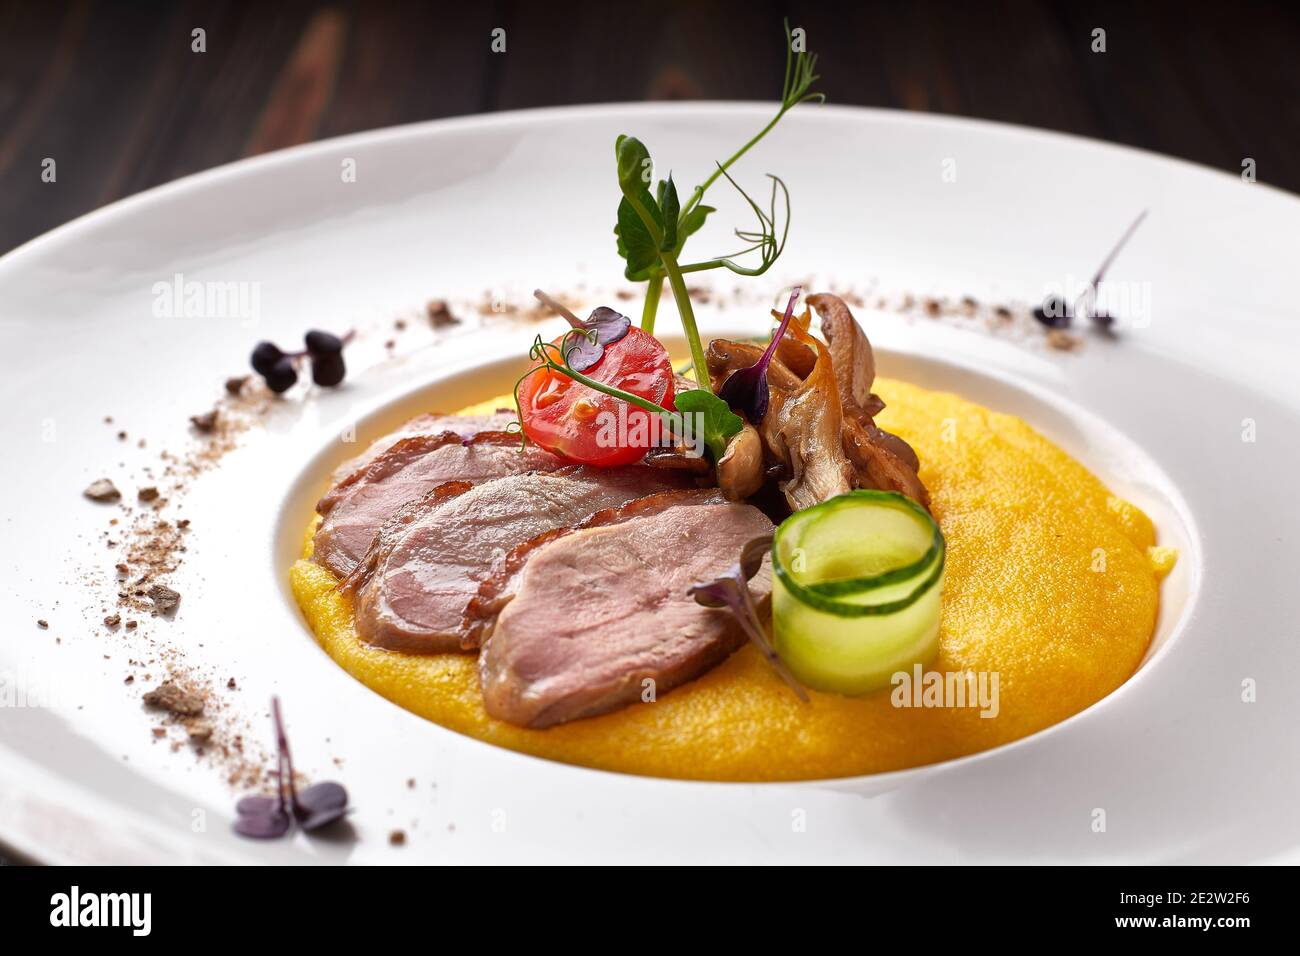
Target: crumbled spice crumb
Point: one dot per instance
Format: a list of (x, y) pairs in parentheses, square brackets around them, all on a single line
[(397, 838), (132, 625), (175, 700), (200, 731), (235, 384), (1062, 340), (439, 313), (129, 679), (206, 423), (148, 494), (183, 523), (399, 324), (113, 620), (410, 783), (122, 569), (121, 436), (230, 684), (102, 490), (42, 623), (164, 599), (160, 731)]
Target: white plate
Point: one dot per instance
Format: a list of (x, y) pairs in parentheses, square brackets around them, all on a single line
[(1184, 769)]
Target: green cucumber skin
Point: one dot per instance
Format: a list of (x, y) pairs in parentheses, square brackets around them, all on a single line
[(850, 648), (810, 517), (864, 655)]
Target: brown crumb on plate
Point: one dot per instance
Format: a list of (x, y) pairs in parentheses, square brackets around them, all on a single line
[(175, 700), (102, 490)]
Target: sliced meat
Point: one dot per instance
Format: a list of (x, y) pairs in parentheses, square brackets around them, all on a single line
[(498, 587), (466, 426), (412, 594), (601, 611), (679, 458), (355, 509)]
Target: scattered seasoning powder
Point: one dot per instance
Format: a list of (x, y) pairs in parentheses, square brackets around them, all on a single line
[(174, 700), (1063, 341), (164, 599), (439, 313), (205, 423), (148, 494), (113, 620)]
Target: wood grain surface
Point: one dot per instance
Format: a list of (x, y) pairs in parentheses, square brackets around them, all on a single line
[(115, 94)]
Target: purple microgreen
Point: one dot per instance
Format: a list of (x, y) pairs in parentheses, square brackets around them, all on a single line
[(603, 327), (257, 803), (610, 326), (731, 591), (265, 817), (279, 369), (1087, 301), (746, 389), (1057, 313), (268, 824), (321, 804)]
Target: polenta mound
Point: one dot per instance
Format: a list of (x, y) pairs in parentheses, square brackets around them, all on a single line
[(1051, 582)]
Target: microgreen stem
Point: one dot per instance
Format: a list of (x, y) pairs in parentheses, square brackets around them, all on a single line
[(753, 624), (559, 308), (654, 290), (699, 364), (284, 761), (541, 352), (698, 195), (800, 75)]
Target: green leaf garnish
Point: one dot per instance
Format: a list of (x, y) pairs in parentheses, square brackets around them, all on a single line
[(714, 421), (634, 241), (669, 210), (652, 229)]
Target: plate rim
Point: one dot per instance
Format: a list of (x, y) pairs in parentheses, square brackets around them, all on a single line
[(506, 118), (222, 176)]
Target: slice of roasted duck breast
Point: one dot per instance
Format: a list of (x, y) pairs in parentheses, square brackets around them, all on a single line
[(355, 509), (412, 589), (603, 618)]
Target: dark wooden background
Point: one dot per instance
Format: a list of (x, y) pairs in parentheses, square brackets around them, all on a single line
[(113, 92)]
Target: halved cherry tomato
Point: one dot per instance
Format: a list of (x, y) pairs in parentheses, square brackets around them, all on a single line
[(580, 424)]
